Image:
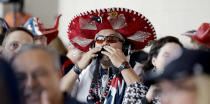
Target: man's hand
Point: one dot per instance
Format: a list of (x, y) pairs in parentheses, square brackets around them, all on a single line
[(86, 58), (74, 54), (115, 55), (44, 98)]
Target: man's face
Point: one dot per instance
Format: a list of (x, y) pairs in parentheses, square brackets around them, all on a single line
[(178, 92), (109, 32), (40, 40), (112, 39), (36, 73), (14, 42), (167, 53)]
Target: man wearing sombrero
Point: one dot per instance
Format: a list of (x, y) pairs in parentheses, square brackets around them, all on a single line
[(44, 36), (106, 35), (200, 38)]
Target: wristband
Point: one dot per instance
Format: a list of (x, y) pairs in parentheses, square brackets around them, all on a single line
[(76, 69), (124, 65)]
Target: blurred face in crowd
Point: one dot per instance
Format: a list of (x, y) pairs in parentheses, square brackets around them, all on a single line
[(183, 92), (167, 53), (108, 37), (37, 74), (40, 40), (14, 41)]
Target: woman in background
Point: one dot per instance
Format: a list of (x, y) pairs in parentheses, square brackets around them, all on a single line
[(161, 53)]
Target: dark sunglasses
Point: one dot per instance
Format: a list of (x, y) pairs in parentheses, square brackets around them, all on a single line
[(111, 39)]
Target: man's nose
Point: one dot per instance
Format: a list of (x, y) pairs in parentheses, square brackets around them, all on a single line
[(106, 42), (30, 82)]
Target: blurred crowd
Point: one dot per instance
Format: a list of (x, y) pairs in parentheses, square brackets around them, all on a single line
[(105, 62)]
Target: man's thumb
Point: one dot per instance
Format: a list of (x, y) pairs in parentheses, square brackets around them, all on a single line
[(44, 98)]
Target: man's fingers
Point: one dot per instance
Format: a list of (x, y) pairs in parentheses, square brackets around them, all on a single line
[(109, 49), (113, 49), (106, 53), (94, 55), (95, 50)]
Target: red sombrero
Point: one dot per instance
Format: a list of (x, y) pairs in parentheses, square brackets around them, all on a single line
[(132, 25), (202, 35)]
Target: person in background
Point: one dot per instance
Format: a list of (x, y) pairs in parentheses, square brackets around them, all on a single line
[(37, 71), (45, 36), (185, 80), (42, 36), (200, 38), (162, 51), (14, 39)]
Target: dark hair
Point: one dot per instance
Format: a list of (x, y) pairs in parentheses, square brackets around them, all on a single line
[(8, 85), (17, 29), (139, 56), (156, 46)]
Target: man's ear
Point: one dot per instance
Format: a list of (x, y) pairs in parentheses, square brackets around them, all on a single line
[(154, 61)]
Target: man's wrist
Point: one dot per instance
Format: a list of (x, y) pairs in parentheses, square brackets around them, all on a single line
[(76, 69), (124, 65)]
